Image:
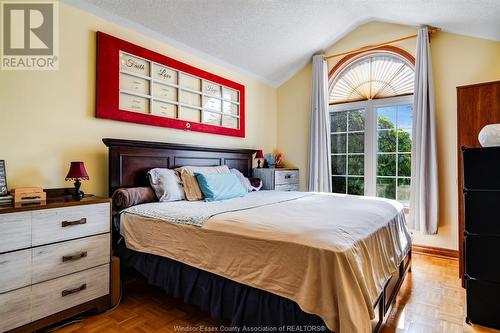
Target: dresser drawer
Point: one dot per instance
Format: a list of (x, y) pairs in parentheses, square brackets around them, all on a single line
[(480, 166), (481, 258), (482, 212), (15, 270), (483, 302), (286, 177), (65, 292), (15, 231), (290, 187), (15, 308), (55, 260), (58, 224)]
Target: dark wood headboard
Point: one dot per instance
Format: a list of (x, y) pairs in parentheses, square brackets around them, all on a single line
[(130, 160)]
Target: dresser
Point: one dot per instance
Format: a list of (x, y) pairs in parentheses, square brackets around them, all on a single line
[(481, 194), (54, 261), (477, 106), (279, 179)]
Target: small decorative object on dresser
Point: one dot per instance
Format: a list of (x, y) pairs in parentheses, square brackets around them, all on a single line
[(28, 195), (279, 159), (6, 200), (269, 161), (258, 156), (283, 179), (76, 172), (3, 179), (489, 136), (54, 260)]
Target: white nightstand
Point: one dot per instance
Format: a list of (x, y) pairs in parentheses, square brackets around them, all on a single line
[(279, 179)]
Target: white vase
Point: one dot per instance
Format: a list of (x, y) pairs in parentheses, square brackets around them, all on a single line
[(489, 135)]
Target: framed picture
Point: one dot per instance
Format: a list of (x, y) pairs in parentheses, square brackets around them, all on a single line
[(138, 85), (3, 179)]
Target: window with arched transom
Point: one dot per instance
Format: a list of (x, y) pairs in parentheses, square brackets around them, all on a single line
[(371, 115)]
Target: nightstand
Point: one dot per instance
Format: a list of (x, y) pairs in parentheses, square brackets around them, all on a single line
[(54, 261), (279, 179)]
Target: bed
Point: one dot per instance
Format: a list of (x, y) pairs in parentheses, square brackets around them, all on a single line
[(253, 261)]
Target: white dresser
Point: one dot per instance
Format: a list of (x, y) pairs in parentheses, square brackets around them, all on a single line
[(54, 262), (279, 179)]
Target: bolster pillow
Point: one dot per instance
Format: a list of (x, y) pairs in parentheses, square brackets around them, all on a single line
[(127, 197)]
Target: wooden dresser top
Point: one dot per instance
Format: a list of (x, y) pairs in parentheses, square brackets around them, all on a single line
[(52, 202)]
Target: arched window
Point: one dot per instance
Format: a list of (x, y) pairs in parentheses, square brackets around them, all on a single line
[(371, 112)]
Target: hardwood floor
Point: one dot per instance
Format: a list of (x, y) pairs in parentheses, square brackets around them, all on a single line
[(431, 300)]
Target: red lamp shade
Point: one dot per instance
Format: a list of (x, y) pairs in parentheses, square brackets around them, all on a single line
[(77, 171), (259, 154)]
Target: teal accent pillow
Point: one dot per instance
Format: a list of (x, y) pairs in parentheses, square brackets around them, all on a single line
[(220, 186)]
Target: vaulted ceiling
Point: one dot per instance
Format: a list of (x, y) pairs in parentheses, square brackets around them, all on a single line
[(272, 39)]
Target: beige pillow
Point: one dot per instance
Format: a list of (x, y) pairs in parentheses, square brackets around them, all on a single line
[(190, 183)]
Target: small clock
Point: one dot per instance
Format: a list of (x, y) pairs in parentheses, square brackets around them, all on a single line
[(3, 179)]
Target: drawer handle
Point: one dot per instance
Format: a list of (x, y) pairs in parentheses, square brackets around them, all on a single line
[(83, 220), (80, 255), (75, 290), (288, 176)]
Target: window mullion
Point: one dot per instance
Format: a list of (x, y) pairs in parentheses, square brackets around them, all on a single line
[(397, 150), (366, 144), (347, 152), (370, 149)]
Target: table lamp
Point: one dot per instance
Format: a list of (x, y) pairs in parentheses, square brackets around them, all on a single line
[(258, 156), (76, 172)]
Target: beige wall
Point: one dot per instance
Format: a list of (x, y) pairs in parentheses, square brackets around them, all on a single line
[(457, 60), (48, 118)]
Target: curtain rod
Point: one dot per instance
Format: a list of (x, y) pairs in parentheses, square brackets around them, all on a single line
[(372, 47)]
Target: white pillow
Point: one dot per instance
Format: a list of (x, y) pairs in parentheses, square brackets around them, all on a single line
[(244, 180), (166, 184)]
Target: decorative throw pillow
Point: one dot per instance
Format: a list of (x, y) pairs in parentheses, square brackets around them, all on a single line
[(255, 184), (166, 184), (190, 183), (244, 180), (221, 186), (127, 197)]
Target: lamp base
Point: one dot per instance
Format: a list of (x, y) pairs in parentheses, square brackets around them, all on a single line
[(78, 195), (258, 163)]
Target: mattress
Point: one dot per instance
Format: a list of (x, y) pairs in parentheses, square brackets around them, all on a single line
[(332, 254)]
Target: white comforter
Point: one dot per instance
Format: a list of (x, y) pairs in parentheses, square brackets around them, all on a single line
[(332, 254)]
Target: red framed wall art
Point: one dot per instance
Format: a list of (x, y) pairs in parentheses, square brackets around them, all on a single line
[(138, 85)]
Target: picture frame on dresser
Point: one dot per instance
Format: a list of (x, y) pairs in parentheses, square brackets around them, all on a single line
[(55, 260), (3, 179)]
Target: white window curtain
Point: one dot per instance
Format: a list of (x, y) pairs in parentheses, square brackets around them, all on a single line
[(424, 183), (319, 174)]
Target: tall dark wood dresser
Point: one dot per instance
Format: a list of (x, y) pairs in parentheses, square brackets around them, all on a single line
[(482, 235), (477, 106)]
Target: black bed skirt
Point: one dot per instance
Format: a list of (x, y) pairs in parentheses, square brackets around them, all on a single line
[(224, 299)]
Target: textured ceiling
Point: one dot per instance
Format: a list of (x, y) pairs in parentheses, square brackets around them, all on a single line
[(272, 39)]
